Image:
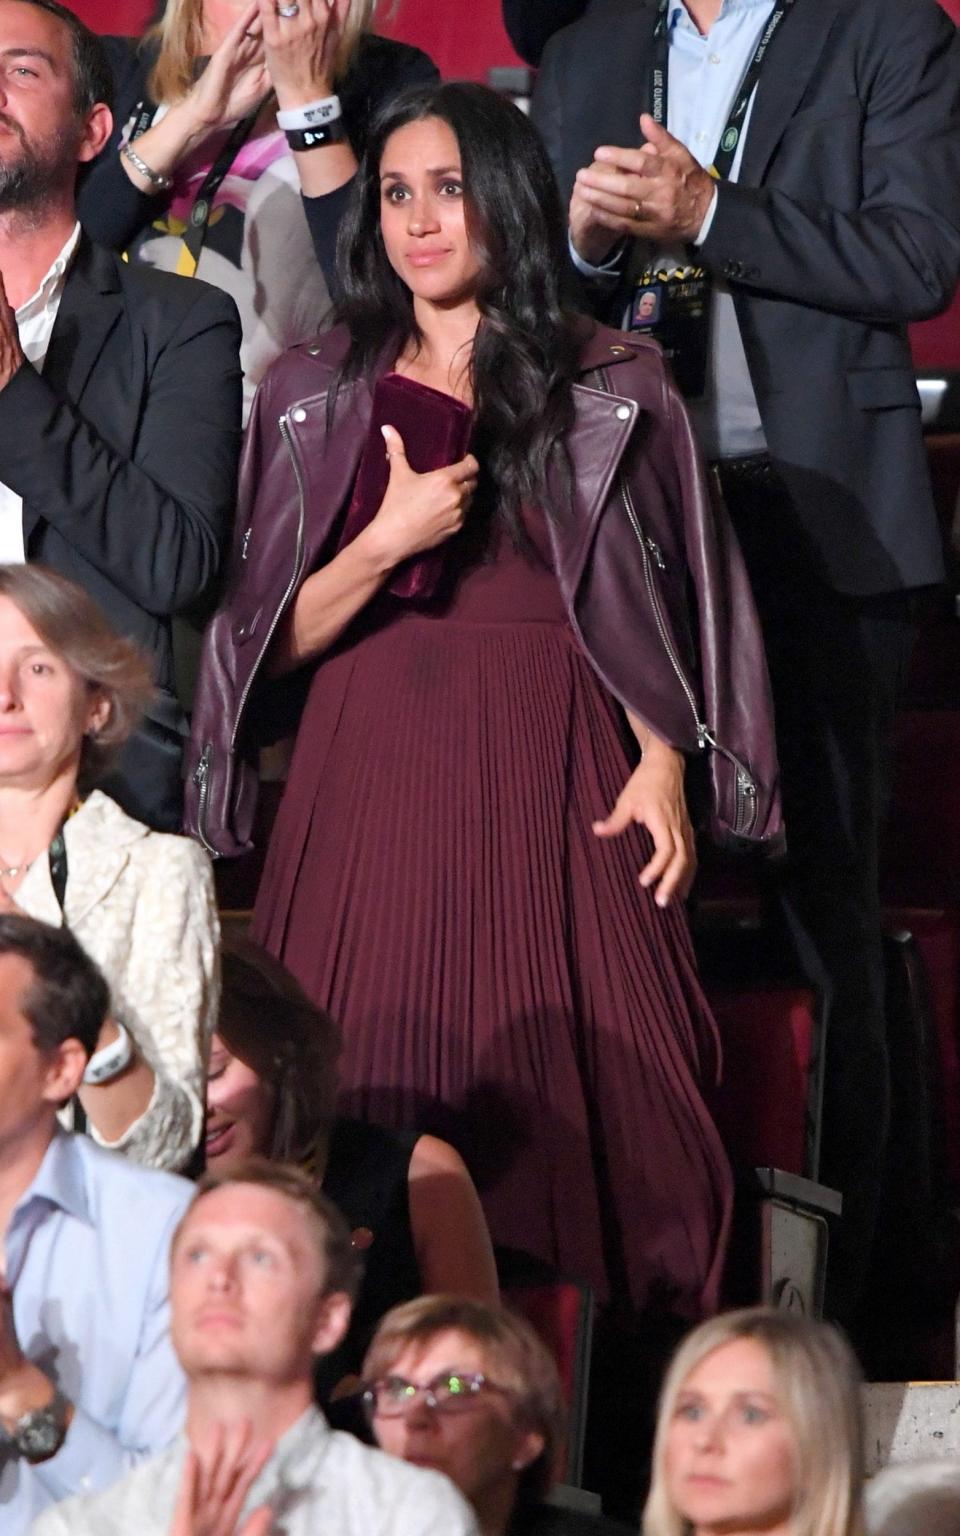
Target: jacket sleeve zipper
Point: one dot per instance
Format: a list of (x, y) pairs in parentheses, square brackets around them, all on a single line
[(201, 777), (746, 813), (298, 558)]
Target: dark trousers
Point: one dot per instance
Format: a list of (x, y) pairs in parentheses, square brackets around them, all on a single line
[(837, 666)]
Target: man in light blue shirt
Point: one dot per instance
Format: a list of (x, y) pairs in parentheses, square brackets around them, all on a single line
[(89, 1384)]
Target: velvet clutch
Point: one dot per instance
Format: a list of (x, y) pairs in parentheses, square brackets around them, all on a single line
[(435, 429)]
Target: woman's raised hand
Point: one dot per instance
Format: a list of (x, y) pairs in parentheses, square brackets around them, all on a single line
[(653, 796), (418, 511), (301, 49), (236, 80)]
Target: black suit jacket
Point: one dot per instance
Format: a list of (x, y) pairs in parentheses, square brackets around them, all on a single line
[(844, 225), (124, 450)]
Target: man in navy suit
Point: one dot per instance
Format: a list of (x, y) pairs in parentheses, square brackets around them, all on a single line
[(790, 175), (119, 387)]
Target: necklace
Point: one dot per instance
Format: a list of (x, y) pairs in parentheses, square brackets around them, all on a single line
[(56, 849), (10, 871)]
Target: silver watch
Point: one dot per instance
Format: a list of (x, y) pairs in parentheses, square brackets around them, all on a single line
[(40, 1434)]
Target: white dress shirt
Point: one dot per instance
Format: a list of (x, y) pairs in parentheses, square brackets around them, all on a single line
[(704, 76), (35, 320), (319, 1482)]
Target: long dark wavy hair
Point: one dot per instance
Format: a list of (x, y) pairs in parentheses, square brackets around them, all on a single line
[(524, 358)]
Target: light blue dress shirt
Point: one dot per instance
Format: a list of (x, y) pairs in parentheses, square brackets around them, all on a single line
[(86, 1255), (703, 80)]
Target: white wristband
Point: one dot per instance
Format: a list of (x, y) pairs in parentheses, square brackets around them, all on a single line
[(106, 1064), (313, 115)]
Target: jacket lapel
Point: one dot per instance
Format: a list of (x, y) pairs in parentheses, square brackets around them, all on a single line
[(90, 307), (602, 426), (792, 60), (98, 840), (623, 77)]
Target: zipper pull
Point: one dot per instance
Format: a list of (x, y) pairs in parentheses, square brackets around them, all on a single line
[(246, 541), (203, 767), (657, 554)]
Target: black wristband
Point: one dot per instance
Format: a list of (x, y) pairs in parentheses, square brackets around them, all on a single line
[(313, 138)]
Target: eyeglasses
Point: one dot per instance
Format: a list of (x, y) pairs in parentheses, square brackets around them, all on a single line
[(448, 1392)]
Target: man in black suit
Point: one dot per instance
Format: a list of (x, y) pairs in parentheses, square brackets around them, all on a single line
[(119, 387), (787, 278)]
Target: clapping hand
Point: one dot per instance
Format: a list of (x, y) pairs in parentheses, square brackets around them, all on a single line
[(657, 192), (11, 1355), (218, 1473), (301, 50), (11, 352), (236, 79)]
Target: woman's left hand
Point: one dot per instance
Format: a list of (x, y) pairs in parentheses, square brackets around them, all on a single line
[(301, 49), (653, 796)]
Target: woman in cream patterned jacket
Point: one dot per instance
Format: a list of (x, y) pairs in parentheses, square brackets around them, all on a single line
[(140, 902)]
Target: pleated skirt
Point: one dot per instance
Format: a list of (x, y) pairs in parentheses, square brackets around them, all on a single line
[(499, 975)]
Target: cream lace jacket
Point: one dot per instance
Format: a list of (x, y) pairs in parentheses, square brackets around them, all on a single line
[(142, 905)]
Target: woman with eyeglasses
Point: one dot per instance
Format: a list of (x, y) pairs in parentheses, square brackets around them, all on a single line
[(758, 1432), (472, 1391)]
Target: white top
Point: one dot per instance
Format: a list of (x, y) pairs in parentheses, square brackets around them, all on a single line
[(142, 904), (35, 321), (319, 1481)]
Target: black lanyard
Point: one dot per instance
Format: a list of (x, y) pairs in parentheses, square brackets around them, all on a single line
[(196, 230), (730, 137), (199, 216)]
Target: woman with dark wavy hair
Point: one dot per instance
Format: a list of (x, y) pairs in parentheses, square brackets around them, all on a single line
[(471, 869)]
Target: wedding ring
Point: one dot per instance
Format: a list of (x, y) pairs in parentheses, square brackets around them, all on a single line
[(289, 11), (637, 210)]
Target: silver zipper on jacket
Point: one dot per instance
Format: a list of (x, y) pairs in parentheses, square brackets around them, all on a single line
[(746, 812), (656, 552), (201, 777), (285, 434), (244, 545), (703, 735)]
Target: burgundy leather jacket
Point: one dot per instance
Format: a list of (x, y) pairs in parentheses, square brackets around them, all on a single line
[(642, 535)]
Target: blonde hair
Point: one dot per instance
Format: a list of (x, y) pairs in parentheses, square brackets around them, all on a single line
[(69, 621), (180, 34), (518, 1361), (817, 1383)]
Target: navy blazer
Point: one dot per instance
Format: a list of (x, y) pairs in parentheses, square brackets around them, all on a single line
[(124, 450), (843, 226)]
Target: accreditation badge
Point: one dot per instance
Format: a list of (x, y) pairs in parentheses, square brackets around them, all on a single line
[(672, 304)]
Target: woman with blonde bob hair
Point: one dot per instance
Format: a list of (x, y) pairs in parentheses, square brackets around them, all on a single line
[(759, 1431), (225, 112), (141, 903), (473, 1392)]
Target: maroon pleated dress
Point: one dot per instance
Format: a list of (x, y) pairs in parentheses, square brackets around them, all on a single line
[(500, 976)]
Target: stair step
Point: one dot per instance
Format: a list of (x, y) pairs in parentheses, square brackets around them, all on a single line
[(910, 1421)]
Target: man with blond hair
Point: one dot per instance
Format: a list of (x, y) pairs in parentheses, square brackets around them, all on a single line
[(262, 1280)]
